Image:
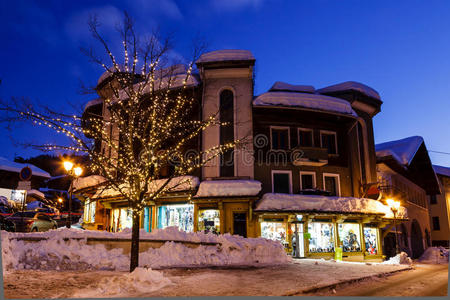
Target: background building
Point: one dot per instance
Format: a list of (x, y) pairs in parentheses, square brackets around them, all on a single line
[(439, 208)]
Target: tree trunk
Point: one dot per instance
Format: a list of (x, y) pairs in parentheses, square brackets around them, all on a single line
[(134, 259)]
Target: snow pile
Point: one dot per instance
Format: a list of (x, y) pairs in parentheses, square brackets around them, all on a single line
[(140, 281), (351, 86), (283, 86), (11, 166), (401, 150), (435, 255), (399, 259), (309, 101), (68, 249), (214, 188), (301, 203), (225, 55)]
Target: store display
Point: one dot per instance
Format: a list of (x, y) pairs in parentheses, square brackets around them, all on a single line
[(322, 237), (349, 235), (370, 239), (209, 220), (181, 216), (274, 231)]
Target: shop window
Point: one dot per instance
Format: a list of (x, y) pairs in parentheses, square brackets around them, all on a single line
[(181, 216), (349, 236), (209, 220), (305, 137), (436, 225), (307, 180), (328, 140), (331, 184), (121, 218), (279, 138), (322, 237), (281, 182), (89, 212), (371, 240), (274, 231)]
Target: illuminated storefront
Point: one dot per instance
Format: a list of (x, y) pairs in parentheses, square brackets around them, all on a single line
[(179, 215), (89, 212), (121, 218), (321, 237), (350, 237), (208, 220), (274, 231), (371, 240)]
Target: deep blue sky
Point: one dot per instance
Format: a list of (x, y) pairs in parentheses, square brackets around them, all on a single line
[(400, 48)]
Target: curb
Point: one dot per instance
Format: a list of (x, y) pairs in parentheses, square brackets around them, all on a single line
[(334, 285)]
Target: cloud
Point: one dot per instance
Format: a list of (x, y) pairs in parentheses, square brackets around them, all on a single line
[(232, 5), (147, 8)]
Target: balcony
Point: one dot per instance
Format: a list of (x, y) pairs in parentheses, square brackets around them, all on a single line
[(309, 156)]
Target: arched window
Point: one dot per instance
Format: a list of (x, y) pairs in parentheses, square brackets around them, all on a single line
[(227, 132)]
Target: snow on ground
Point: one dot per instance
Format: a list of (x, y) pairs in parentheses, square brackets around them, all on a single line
[(434, 255), (289, 202), (211, 188), (141, 280), (400, 259), (54, 253), (298, 275)]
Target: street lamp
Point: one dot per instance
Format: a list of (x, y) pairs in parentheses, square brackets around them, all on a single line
[(394, 206), (72, 172)]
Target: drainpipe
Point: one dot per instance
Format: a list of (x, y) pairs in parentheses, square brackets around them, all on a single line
[(366, 149)]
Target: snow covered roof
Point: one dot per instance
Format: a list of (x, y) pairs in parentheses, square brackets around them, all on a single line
[(226, 55), (351, 86), (218, 188), (11, 166), (442, 170), (36, 193), (93, 102), (88, 181), (310, 101), (402, 150), (302, 203), (283, 86)]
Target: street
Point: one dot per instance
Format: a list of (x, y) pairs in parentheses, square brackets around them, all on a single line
[(424, 280)]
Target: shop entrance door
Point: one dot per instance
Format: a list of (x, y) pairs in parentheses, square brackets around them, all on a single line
[(240, 224)]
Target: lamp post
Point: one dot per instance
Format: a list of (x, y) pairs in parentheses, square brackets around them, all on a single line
[(394, 206), (72, 172)]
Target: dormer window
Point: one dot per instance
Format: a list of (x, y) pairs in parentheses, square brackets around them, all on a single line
[(279, 137), (328, 140)]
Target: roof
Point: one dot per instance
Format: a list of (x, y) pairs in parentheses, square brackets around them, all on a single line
[(15, 167), (442, 170), (227, 188), (309, 101), (403, 151), (226, 55), (93, 102), (286, 87), (302, 203), (351, 86)]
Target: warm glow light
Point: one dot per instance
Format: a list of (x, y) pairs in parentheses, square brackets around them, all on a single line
[(78, 171), (68, 165), (394, 205), (390, 202), (60, 200)]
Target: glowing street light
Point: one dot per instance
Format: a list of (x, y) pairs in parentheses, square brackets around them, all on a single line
[(394, 206), (72, 171)]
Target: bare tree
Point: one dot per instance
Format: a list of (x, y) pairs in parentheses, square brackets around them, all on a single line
[(150, 119)]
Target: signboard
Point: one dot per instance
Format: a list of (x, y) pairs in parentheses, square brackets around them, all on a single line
[(25, 174), (24, 185)]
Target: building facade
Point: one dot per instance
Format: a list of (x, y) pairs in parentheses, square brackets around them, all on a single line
[(439, 209), (306, 175)]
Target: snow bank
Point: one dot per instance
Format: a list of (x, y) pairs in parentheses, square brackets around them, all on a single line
[(214, 188), (75, 254), (399, 259), (351, 86), (310, 101), (292, 202), (140, 281), (11, 166), (435, 255), (401, 150)]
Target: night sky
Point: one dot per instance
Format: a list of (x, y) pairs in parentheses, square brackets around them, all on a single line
[(400, 48)]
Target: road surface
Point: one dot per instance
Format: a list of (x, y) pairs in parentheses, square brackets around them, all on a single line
[(424, 280)]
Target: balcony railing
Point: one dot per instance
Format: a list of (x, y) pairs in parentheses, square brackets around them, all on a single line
[(310, 156)]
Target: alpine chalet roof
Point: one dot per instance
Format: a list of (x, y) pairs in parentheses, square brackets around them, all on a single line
[(442, 170), (11, 166), (351, 86), (403, 151), (226, 55), (286, 87)]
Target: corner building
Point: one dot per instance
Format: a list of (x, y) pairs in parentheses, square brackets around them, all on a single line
[(306, 175)]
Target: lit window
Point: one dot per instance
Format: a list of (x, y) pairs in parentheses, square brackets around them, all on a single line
[(371, 240), (350, 237), (322, 237)]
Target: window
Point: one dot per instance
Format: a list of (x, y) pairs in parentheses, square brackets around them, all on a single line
[(322, 237), (331, 183), (282, 182), (350, 237), (328, 139), (436, 225), (433, 199), (307, 180), (279, 138), (305, 137), (227, 132), (209, 220), (371, 240)]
